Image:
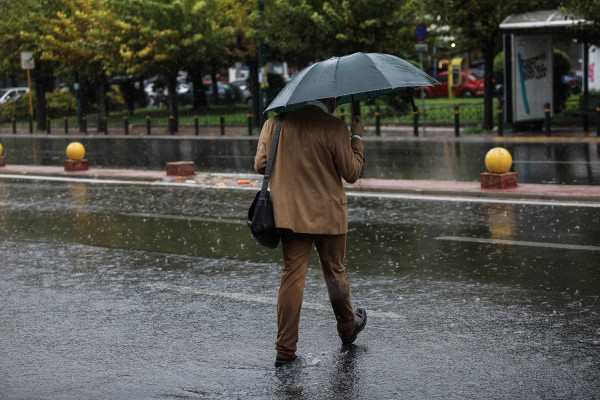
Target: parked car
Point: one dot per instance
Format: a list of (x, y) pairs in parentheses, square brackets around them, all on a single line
[(8, 94), (471, 86), (226, 93), (157, 95), (242, 84), (573, 82)]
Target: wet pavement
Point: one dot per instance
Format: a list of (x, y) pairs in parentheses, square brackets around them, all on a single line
[(134, 285)]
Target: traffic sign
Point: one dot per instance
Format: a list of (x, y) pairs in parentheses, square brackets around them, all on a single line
[(421, 32), (27, 61), (421, 48)]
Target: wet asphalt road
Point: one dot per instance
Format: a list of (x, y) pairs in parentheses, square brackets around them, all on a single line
[(157, 292)]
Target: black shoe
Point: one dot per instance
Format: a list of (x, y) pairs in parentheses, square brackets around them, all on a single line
[(280, 362), (360, 319)]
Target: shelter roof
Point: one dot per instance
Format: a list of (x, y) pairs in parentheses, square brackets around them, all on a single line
[(546, 19)]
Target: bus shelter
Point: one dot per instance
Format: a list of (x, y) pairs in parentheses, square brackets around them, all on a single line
[(527, 41)]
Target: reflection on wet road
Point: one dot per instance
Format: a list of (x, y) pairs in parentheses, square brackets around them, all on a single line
[(119, 291)]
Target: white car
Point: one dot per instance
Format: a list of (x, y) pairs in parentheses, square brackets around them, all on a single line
[(7, 94)]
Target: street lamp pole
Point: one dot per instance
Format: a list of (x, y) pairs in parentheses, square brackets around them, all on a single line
[(262, 75)]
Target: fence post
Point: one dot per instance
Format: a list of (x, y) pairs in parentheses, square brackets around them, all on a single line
[(342, 115), (377, 121), (48, 128), (31, 124), (66, 119), (597, 120), (105, 125), (500, 120), (416, 123), (126, 124), (14, 124), (456, 121), (249, 116), (84, 123), (547, 113), (171, 124), (222, 117), (148, 125), (196, 126)]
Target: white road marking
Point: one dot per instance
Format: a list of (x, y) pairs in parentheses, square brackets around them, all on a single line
[(520, 243), (467, 199), (253, 298), (404, 196)]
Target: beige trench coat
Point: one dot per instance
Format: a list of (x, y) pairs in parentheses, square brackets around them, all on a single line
[(314, 153)]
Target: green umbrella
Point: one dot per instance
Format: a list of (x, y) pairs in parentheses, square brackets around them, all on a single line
[(351, 78)]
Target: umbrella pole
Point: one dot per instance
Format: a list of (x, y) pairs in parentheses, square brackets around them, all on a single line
[(355, 107)]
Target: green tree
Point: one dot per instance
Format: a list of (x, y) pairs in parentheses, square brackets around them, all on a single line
[(305, 31), (590, 11), (167, 36), (81, 38), (20, 32)]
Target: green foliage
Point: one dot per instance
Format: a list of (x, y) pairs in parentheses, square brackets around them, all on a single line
[(498, 71), (60, 103), (115, 100), (398, 104), (18, 109), (590, 11), (336, 28)]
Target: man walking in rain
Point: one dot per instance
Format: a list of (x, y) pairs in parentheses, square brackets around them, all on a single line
[(315, 152)]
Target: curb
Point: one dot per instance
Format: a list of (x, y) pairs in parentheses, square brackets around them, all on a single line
[(556, 193)]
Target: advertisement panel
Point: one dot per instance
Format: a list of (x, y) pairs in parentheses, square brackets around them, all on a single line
[(532, 76), (594, 68)]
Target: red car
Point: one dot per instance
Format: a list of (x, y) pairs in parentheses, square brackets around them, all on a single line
[(471, 86)]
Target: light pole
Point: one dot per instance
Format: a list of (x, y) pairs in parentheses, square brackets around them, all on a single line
[(262, 73)]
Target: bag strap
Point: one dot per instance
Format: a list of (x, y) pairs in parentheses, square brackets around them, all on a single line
[(265, 183)]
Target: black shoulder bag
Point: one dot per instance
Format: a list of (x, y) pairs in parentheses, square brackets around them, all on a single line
[(260, 215)]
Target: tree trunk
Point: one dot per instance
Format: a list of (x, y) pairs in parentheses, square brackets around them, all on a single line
[(172, 102), (200, 103), (488, 86), (215, 87), (40, 103), (101, 101)]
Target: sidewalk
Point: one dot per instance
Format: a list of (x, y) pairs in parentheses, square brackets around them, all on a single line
[(581, 193)]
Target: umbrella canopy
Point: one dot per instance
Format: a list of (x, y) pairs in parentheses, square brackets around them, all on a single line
[(355, 77)]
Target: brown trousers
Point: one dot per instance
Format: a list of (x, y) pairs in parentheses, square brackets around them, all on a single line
[(296, 250)]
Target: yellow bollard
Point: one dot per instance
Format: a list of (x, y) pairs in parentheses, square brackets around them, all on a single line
[(76, 162), (75, 151), (2, 161), (498, 160)]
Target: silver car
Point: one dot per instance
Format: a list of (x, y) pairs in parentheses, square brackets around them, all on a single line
[(7, 94)]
